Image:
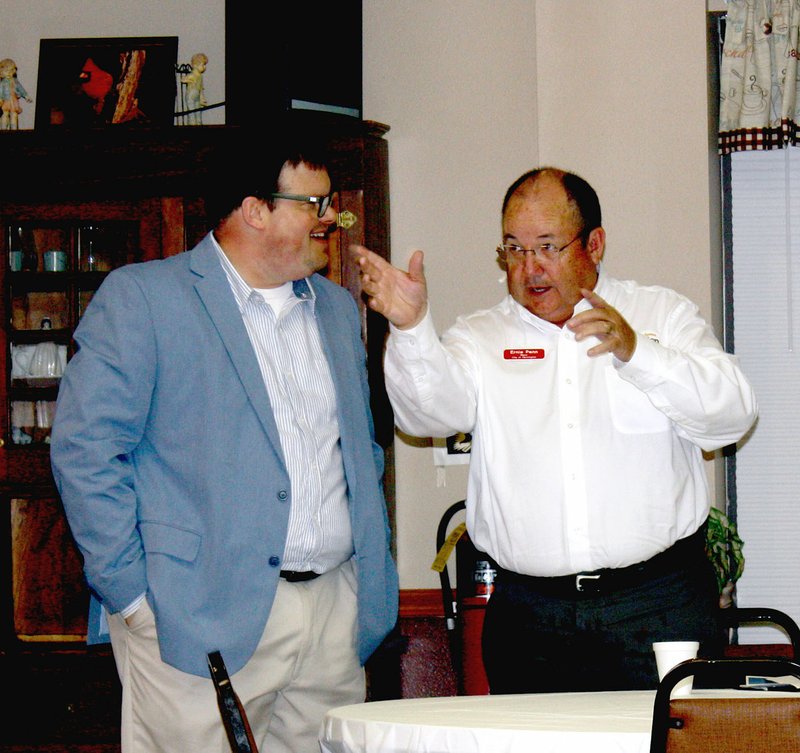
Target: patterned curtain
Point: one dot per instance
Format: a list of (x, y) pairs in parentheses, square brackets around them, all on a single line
[(759, 98)]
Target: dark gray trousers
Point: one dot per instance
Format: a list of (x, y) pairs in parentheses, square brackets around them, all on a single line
[(538, 641)]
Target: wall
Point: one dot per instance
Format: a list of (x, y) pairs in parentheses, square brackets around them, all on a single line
[(456, 81), (628, 111), (199, 26), (476, 92)]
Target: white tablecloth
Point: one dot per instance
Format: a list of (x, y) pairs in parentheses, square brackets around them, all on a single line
[(613, 722)]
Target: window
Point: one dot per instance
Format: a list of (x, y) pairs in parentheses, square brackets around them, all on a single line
[(765, 234)]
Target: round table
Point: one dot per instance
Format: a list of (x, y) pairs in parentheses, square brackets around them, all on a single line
[(617, 722)]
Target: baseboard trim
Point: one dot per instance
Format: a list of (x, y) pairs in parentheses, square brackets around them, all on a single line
[(421, 602)]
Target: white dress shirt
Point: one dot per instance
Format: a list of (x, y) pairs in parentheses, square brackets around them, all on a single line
[(577, 463)]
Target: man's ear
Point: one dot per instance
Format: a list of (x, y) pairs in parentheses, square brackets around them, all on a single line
[(596, 244), (254, 211)]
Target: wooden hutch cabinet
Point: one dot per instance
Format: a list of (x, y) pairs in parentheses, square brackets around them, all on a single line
[(72, 207)]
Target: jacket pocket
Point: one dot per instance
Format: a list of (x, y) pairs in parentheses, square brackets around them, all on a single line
[(161, 538)]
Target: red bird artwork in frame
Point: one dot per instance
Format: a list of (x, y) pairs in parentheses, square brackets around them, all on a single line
[(95, 83)]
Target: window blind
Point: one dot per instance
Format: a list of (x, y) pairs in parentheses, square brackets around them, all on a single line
[(765, 229)]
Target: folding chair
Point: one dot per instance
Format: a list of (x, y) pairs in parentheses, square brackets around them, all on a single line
[(463, 612), (234, 717), (726, 725), (735, 617)]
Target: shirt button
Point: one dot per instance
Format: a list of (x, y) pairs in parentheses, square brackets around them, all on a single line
[(570, 426), (283, 495), (274, 561)]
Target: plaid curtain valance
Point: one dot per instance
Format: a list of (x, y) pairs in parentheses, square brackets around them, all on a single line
[(759, 98)]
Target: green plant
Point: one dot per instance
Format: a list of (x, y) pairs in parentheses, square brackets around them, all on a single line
[(724, 549)]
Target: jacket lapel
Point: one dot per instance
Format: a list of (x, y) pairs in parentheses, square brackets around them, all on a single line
[(337, 345), (215, 292)]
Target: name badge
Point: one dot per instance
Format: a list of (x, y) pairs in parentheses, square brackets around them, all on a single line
[(523, 354)]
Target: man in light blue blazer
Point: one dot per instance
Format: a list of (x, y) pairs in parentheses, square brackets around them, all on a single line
[(214, 449)]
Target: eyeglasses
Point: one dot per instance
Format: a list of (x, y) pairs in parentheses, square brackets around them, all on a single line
[(322, 202), (544, 251)]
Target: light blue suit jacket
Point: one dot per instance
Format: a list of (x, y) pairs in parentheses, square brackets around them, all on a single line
[(167, 457)]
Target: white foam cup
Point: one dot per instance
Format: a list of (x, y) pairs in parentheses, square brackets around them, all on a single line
[(671, 653)]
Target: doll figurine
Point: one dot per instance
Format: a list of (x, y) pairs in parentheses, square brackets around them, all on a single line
[(11, 91), (193, 82)]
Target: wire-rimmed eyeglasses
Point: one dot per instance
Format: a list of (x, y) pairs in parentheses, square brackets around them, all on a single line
[(321, 202), (544, 251)]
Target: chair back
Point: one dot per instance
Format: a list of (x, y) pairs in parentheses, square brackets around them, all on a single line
[(735, 617), (463, 612), (234, 717), (726, 725)]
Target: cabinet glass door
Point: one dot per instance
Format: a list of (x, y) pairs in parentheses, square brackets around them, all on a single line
[(50, 598), (53, 271)]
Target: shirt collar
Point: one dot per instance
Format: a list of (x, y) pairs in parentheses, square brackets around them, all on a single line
[(242, 292)]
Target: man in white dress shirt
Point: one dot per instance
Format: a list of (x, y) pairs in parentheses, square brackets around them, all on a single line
[(590, 401)]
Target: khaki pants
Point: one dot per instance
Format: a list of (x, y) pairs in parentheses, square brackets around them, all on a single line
[(305, 664)]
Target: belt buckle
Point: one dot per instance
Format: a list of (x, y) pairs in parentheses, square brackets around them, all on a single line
[(581, 577)]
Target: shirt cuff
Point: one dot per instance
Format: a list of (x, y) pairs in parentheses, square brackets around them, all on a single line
[(132, 607), (423, 330), (645, 369), (425, 323)]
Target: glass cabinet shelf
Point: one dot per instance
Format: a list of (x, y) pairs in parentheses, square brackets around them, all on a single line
[(53, 270)]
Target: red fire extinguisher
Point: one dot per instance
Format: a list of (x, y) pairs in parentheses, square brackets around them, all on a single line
[(483, 577)]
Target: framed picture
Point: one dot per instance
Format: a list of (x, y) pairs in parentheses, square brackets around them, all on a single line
[(104, 82)]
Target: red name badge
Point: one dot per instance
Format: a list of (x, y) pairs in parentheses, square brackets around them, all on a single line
[(523, 354)]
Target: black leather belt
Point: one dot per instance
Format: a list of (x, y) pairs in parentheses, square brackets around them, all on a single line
[(685, 554), (298, 576)]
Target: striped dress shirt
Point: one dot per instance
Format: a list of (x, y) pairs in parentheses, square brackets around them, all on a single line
[(303, 400)]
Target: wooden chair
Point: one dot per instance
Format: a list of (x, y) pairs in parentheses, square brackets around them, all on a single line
[(695, 724), (234, 717)]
